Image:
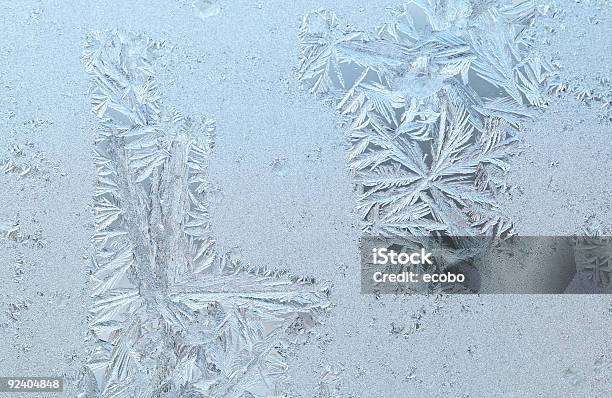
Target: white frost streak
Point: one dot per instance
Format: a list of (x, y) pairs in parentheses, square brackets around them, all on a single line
[(171, 315)]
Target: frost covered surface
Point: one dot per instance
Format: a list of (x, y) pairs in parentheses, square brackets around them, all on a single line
[(239, 66), (434, 98), (172, 314)]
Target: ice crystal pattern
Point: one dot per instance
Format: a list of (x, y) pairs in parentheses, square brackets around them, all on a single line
[(593, 256), (434, 97), (172, 315)]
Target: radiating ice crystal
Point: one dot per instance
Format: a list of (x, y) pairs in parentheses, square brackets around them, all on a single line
[(435, 97), (172, 315)]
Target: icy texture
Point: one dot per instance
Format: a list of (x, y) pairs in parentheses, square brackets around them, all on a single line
[(27, 161), (172, 315), (435, 98), (594, 258), (593, 255), (599, 96)]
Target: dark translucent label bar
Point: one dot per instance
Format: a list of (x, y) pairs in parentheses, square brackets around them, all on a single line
[(486, 265)]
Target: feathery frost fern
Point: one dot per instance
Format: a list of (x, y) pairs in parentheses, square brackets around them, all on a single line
[(172, 315), (435, 97)]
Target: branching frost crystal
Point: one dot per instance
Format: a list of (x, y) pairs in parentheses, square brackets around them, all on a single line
[(172, 315), (435, 97)]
